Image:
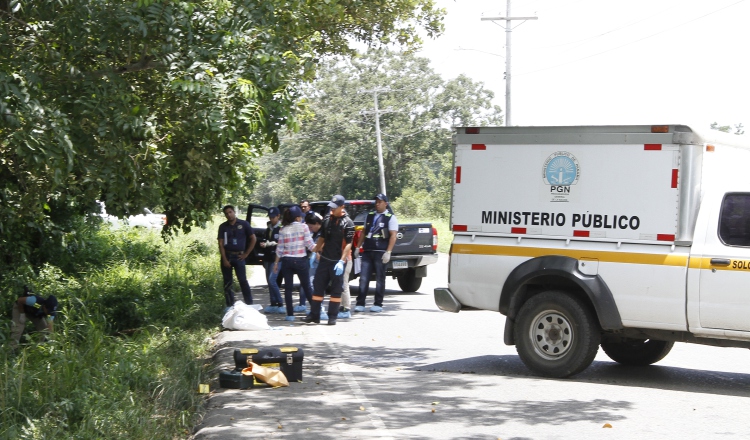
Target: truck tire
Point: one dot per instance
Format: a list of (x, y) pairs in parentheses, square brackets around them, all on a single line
[(408, 281), (556, 334), (629, 351)]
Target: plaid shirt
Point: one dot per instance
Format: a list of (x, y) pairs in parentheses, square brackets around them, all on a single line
[(293, 239)]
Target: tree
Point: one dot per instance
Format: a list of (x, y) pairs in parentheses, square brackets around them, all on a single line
[(158, 103), (739, 129), (335, 149)]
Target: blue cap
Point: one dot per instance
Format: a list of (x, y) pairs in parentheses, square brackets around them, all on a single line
[(336, 201), (295, 211), (382, 197), (51, 303), (273, 212)]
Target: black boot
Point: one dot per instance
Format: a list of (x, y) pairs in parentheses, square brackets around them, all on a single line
[(333, 312), (314, 315)]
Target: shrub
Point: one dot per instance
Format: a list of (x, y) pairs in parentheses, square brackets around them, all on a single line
[(125, 359)]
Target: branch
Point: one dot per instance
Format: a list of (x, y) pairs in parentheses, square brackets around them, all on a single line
[(143, 64), (26, 25)]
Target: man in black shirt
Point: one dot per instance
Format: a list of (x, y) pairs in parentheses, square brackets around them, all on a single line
[(334, 242), (236, 241)]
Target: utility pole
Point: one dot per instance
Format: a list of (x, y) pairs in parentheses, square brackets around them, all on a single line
[(377, 113), (508, 30)]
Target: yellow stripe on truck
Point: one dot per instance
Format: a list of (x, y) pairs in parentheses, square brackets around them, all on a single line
[(741, 265), (605, 256)]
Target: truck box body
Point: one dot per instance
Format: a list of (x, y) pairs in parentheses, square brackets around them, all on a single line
[(647, 226), (583, 185)]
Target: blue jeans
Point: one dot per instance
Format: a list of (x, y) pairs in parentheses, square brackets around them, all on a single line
[(239, 269), (301, 268), (370, 259), (273, 279)]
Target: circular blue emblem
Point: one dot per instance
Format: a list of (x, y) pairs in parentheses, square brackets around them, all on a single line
[(561, 168)]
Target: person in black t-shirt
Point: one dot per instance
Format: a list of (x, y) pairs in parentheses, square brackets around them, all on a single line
[(236, 241), (334, 242)]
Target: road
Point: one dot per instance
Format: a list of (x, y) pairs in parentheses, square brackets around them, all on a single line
[(416, 372)]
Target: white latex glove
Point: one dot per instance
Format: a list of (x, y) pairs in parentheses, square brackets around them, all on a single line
[(386, 257), (356, 252), (271, 243)]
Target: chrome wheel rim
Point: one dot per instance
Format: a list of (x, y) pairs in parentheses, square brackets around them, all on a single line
[(551, 334)]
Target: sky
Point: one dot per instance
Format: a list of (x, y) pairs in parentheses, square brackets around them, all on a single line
[(594, 62)]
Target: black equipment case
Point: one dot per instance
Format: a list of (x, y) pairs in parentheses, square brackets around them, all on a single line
[(287, 359), (235, 379)]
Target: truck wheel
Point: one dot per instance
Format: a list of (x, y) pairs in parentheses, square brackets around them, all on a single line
[(409, 281), (629, 351), (556, 334)]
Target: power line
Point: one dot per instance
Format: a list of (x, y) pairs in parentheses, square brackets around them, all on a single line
[(631, 42), (604, 33)]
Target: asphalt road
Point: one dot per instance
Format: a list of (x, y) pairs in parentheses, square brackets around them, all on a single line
[(416, 372)]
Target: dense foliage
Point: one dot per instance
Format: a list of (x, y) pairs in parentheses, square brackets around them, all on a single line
[(157, 103), (127, 354), (335, 149)]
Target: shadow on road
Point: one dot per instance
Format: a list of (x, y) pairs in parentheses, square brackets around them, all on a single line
[(405, 402), (610, 373)]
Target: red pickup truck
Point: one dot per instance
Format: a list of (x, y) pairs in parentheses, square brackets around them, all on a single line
[(415, 249)]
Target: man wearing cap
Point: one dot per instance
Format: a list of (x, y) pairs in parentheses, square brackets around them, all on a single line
[(31, 307), (334, 243), (236, 241), (379, 237), (269, 258)]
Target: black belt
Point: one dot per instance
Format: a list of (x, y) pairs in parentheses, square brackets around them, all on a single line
[(234, 252)]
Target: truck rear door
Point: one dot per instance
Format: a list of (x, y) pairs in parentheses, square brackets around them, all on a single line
[(257, 216), (414, 238)]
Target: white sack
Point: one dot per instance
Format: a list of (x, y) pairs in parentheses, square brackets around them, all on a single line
[(244, 317)]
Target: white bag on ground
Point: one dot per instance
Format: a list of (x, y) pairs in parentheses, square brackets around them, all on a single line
[(244, 317)]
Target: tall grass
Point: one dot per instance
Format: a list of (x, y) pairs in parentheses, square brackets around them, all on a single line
[(127, 354)]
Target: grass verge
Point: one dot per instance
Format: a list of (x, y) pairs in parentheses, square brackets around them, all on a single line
[(128, 351)]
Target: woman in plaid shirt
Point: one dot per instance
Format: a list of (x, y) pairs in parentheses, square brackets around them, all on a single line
[(294, 240)]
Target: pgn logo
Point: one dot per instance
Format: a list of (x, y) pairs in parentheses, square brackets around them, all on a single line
[(559, 189)]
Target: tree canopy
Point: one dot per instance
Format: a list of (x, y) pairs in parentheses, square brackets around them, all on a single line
[(157, 102), (335, 149)]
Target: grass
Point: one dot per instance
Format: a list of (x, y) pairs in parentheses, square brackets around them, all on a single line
[(127, 354)]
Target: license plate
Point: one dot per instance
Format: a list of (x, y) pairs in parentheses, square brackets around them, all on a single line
[(400, 264)]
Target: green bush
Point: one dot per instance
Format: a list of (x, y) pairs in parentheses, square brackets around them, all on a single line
[(421, 203), (125, 358)]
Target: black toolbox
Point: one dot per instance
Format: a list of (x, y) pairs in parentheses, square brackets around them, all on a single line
[(287, 359), (235, 379)]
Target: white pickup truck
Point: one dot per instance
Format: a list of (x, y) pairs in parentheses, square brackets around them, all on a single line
[(628, 237)]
